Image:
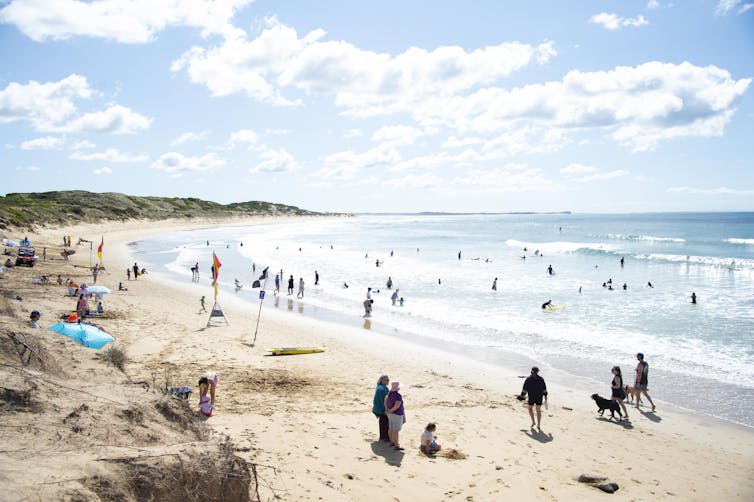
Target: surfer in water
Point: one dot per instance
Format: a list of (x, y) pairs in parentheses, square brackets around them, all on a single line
[(547, 305), (549, 269)]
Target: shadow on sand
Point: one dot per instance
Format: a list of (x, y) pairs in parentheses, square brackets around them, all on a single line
[(542, 437), (651, 415), (625, 423), (385, 450)]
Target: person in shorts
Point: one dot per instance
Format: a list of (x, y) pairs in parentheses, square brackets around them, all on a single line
[(396, 415), (535, 387), (642, 381)]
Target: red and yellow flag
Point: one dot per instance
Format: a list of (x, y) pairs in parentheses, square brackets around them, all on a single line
[(99, 249), (215, 272)]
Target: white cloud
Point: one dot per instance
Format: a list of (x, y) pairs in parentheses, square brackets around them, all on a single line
[(711, 191), (415, 181), (609, 175), (50, 107), (653, 4), (126, 21), (360, 80), (745, 8), (454, 142), (353, 133), (189, 136), (42, 104), (278, 132), (27, 168), (102, 170), (507, 179), (83, 145), (242, 136), (398, 135), (576, 168), (347, 164), (639, 106), (115, 119), (109, 155), (726, 6), (615, 22), (44, 143), (177, 163), (275, 161)]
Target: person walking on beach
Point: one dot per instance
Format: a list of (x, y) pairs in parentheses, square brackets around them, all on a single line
[(494, 284), (396, 414), (136, 271), (642, 381), (277, 284), (300, 288), (204, 306), (536, 388), (316, 278), (618, 391), (290, 285), (128, 273), (95, 272), (378, 406)]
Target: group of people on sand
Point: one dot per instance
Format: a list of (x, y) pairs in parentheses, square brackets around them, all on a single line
[(620, 392), (388, 407)]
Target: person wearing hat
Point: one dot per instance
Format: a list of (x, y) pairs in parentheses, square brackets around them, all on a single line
[(34, 318), (642, 381), (396, 416), (535, 386)]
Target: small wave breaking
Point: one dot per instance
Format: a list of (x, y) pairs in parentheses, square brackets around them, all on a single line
[(646, 238)]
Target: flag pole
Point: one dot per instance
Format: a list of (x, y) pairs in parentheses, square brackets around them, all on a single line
[(259, 314)]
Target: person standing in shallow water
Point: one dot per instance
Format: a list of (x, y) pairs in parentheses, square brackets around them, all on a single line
[(494, 284), (378, 406), (290, 285)]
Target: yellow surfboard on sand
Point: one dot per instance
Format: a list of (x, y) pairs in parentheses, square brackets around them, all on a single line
[(289, 351)]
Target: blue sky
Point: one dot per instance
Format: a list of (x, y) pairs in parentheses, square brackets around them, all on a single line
[(614, 106)]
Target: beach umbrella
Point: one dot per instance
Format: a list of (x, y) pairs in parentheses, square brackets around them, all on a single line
[(86, 334), (97, 290)]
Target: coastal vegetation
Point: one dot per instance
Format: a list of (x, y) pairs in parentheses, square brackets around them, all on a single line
[(76, 206)]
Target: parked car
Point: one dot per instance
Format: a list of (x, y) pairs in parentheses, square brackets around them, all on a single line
[(25, 256)]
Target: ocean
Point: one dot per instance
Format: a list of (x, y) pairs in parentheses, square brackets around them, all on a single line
[(701, 355)]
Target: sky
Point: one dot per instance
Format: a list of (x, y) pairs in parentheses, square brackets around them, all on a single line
[(391, 106)]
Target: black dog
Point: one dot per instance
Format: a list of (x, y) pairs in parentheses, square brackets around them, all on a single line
[(607, 404)]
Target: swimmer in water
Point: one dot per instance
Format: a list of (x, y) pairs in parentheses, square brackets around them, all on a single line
[(693, 297), (547, 305)]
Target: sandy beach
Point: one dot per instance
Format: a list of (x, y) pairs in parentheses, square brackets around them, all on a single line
[(305, 421)]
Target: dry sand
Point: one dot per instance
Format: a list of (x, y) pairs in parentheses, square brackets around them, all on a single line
[(306, 422)]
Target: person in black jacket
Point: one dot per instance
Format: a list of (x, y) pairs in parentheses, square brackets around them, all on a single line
[(535, 386)]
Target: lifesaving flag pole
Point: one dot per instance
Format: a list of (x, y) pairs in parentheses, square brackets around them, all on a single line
[(99, 250), (216, 310), (261, 299), (215, 272)]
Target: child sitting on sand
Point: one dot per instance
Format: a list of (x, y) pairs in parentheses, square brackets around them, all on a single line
[(429, 440)]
